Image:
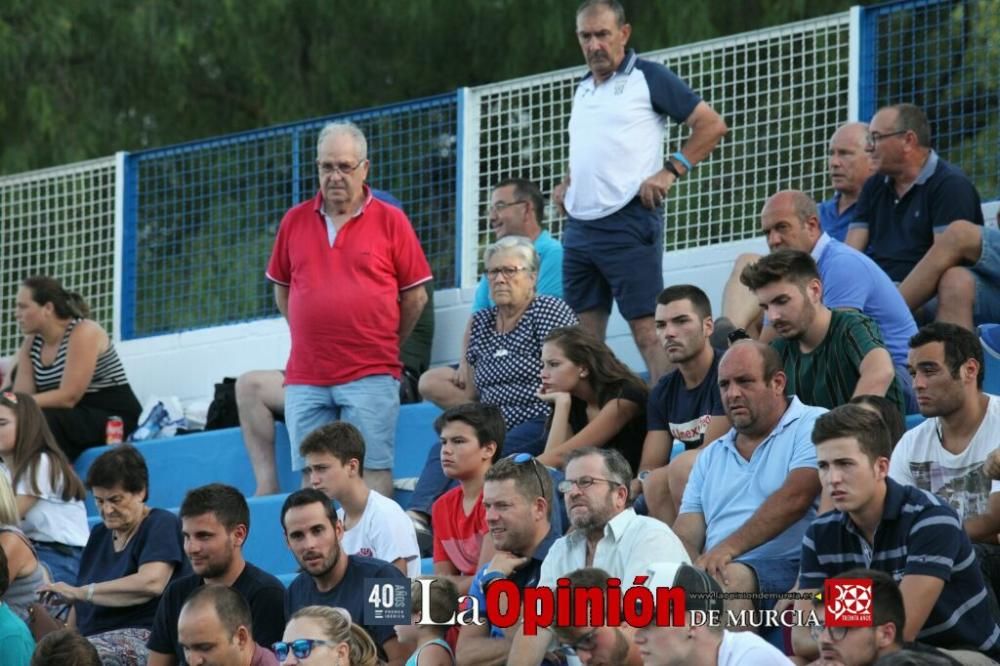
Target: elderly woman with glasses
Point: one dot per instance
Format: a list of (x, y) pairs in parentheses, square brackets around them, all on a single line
[(504, 356), (325, 635)]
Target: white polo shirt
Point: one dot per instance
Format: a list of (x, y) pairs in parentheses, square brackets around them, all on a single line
[(616, 134)]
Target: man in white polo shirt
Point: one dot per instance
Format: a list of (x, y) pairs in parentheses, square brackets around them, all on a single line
[(618, 180)]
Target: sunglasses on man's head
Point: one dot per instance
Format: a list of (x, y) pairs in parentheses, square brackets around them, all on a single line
[(301, 648), (527, 458)]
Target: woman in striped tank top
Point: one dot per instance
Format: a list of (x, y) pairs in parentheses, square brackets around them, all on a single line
[(67, 362)]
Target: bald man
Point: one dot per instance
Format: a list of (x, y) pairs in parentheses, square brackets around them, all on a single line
[(214, 628), (851, 280), (850, 166)]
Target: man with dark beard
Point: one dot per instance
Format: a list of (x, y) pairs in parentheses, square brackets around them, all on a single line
[(517, 497), (215, 521), (331, 577), (606, 533), (684, 405)]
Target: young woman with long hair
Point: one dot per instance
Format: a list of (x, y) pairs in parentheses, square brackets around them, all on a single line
[(596, 399), (48, 492)]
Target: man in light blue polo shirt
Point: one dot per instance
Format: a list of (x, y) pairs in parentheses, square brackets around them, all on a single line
[(516, 209), (618, 180), (851, 280), (752, 493)]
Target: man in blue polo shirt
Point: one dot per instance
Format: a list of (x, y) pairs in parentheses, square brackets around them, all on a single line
[(850, 279), (516, 209), (914, 195), (618, 180), (850, 166), (902, 530), (517, 497)]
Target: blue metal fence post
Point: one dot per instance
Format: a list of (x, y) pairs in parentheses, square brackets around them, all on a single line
[(460, 96), (130, 247), (296, 140), (867, 38)]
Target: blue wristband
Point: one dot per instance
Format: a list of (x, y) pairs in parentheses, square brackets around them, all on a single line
[(490, 577), (679, 156)]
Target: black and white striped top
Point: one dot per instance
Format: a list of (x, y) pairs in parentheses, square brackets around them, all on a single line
[(109, 371)]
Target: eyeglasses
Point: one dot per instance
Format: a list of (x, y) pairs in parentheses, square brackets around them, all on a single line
[(836, 633), (501, 206), (522, 458), (301, 648), (340, 169), (508, 272), (875, 137), (9, 397), (583, 482), (586, 642)]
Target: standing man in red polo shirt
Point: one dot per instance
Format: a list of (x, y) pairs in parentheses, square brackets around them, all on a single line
[(348, 275)]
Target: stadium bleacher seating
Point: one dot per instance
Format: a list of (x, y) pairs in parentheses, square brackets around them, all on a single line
[(218, 456), (180, 463)]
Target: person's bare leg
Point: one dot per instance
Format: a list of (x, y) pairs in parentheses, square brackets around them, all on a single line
[(644, 334), (437, 385), (738, 303), (259, 395), (960, 243), (742, 579), (677, 475), (594, 321), (956, 294), (380, 480), (656, 488)]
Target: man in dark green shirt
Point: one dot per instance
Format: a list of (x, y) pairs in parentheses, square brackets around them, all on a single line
[(829, 355)]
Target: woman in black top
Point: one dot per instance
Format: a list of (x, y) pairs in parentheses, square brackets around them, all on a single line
[(67, 362), (596, 400)]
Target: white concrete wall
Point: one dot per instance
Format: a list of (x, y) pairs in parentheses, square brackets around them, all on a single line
[(188, 364)]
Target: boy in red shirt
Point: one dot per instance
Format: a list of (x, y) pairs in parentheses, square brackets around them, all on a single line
[(471, 439)]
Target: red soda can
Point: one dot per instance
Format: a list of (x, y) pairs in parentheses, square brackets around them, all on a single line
[(114, 431)]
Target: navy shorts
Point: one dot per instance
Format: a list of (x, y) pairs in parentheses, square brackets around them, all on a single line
[(619, 256)]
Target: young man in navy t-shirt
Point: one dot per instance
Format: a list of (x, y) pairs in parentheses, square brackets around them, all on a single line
[(684, 405), (331, 577)]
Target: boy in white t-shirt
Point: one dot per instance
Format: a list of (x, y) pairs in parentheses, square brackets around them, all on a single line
[(374, 525)]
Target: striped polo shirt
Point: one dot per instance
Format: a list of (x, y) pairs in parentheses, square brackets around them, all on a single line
[(919, 534), (828, 375)]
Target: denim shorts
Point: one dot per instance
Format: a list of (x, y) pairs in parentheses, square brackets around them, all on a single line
[(619, 256), (371, 404), (774, 576), (986, 273)]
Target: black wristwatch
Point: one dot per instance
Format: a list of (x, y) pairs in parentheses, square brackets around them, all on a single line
[(669, 166)]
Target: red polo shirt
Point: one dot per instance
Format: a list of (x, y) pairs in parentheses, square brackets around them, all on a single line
[(343, 301)]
